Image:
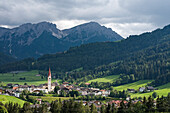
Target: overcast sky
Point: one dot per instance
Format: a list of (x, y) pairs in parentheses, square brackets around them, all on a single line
[(126, 17)]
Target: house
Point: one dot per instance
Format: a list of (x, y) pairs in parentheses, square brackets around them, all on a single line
[(22, 87), (9, 91), (128, 98), (65, 89), (83, 92), (39, 90), (105, 93), (141, 89), (65, 83), (131, 90), (87, 84), (1, 90), (17, 94), (36, 91), (15, 88), (9, 85), (150, 88)]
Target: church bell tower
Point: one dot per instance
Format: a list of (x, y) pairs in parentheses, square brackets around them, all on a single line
[(49, 80)]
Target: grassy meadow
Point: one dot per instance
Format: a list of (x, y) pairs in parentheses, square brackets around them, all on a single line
[(30, 78), (50, 98), (5, 99), (105, 79), (162, 90), (134, 85)]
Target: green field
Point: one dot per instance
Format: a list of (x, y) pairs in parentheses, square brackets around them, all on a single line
[(50, 99), (162, 90), (4, 99), (134, 85), (30, 78), (105, 79)]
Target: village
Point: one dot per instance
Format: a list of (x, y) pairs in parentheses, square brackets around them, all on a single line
[(69, 90)]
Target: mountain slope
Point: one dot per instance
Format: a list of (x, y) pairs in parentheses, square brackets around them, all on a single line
[(90, 32), (6, 59), (34, 40), (91, 55)]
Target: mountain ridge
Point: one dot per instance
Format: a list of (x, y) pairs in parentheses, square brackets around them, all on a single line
[(17, 41)]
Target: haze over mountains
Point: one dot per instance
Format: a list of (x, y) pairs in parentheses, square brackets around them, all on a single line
[(34, 40)]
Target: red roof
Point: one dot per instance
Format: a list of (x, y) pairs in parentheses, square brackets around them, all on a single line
[(14, 88), (87, 83), (49, 73), (102, 90)]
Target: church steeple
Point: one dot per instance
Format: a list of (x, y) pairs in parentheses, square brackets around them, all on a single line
[(49, 80)]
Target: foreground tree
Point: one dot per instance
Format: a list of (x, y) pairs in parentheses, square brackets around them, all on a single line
[(3, 109)]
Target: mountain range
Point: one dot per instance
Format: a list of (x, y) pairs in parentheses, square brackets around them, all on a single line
[(139, 57), (34, 40)]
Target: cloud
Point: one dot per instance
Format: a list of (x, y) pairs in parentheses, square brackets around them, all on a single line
[(135, 15), (127, 29)]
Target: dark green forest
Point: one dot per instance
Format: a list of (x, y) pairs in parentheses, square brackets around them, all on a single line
[(138, 57), (6, 59)]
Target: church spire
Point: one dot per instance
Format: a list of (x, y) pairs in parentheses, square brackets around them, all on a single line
[(49, 73), (49, 80)]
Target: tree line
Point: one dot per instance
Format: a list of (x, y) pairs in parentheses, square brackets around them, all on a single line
[(162, 104)]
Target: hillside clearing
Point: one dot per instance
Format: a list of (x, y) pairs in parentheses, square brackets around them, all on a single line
[(31, 78), (105, 79), (134, 85)]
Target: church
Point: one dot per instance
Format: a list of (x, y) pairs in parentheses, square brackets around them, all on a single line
[(49, 80)]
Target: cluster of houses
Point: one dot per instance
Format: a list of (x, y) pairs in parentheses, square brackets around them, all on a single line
[(142, 89), (16, 89)]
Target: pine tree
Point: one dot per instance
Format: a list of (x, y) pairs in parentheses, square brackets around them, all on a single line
[(114, 109), (3, 109), (150, 105), (108, 108), (122, 108), (43, 108), (102, 110), (93, 109), (87, 109), (26, 108)]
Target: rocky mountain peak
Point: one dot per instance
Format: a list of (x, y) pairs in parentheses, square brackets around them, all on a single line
[(34, 40)]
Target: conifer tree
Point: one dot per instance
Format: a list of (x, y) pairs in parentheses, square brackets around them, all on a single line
[(3, 109), (122, 108), (102, 110), (108, 108), (93, 109), (150, 105)]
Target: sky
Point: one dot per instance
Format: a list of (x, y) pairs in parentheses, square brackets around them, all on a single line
[(126, 17)]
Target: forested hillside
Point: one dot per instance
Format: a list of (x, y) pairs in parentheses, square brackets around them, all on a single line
[(140, 57), (6, 59)]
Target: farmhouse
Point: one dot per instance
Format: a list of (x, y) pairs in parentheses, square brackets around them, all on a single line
[(1, 90), (142, 89)]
